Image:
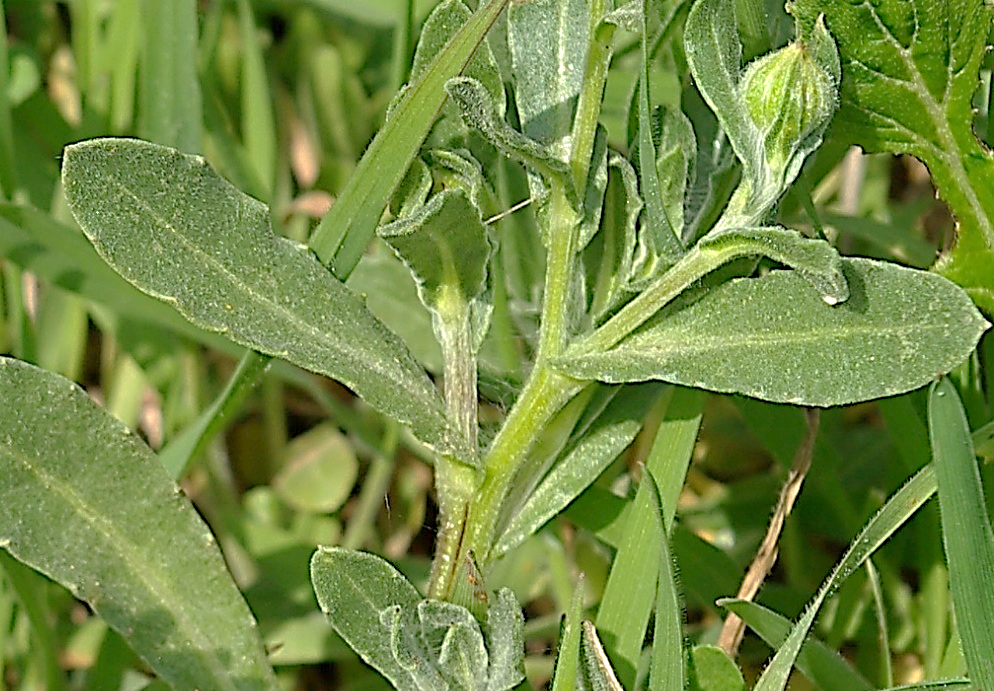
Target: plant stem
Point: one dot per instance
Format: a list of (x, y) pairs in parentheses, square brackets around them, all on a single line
[(694, 265), (455, 479), (544, 395), (588, 107), (558, 276)]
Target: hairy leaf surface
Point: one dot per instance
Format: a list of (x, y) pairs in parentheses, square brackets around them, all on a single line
[(775, 339), (357, 591), (86, 502), (178, 231), (910, 70)]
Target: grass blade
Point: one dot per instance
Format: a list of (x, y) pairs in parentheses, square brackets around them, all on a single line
[(895, 513), (631, 586), (342, 236), (966, 530), (170, 108)]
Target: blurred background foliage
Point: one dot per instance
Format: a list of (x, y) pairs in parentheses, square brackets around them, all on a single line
[(289, 93)]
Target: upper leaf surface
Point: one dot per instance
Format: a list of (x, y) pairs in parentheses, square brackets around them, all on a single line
[(358, 591), (178, 231), (774, 338), (548, 43), (87, 503), (910, 68)]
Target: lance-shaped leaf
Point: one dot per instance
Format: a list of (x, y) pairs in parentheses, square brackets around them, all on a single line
[(599, 445), (675, 156), (358, 592), (178, 231), (910, 71), (548, 41), (775, 339), (662, 228), (87, 503)]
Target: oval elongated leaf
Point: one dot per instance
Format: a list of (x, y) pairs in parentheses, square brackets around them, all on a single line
[(178, 231), (774, 338), (353, 589), (86, 502)]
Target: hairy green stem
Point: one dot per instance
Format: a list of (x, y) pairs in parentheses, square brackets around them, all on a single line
[(588, 107), (455, 479), (694, 265), (545, 394)]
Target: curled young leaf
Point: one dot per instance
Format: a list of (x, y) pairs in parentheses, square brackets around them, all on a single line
[(445, 246), (478, 110)]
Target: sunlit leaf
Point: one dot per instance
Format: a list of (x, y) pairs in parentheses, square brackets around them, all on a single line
[(910, 69), (775, 339), (175, 229)]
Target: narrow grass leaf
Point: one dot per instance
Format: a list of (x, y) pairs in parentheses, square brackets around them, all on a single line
[(342, 236), (631, 587), (382, 14), (775, 339), (258, 122), (566, 674), (966, 530), (186, 446), (356, 591), (174, 228), (86, 502), (901, 506), (820, 664), (667, 669), (170, 108), (711, 669)]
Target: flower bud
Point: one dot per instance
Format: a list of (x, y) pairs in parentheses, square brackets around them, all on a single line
[(789, 96)]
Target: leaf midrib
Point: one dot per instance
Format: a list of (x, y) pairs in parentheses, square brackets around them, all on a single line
[(133, 556), (302, 326), (758, 340)]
